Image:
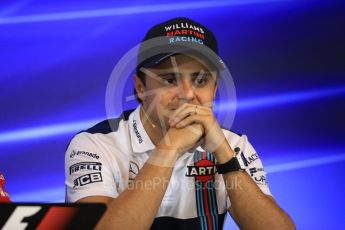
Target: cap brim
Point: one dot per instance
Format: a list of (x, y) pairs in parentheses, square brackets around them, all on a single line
[(160, 58)]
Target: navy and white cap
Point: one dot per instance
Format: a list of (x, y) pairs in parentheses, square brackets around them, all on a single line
[(175, 36)]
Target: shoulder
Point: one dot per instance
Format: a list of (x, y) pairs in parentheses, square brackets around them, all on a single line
[(109, 125), (107, 139), (101, 130), (233, 136), (239, 142)]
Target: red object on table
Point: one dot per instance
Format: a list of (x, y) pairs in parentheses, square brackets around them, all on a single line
[(4, 197)]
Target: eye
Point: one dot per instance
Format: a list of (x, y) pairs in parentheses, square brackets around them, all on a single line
[(201, 80), (169, 81)]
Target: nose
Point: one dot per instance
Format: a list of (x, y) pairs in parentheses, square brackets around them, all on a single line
[(186, 89)]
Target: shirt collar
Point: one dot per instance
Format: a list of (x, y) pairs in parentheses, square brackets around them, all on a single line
[(140, 140)]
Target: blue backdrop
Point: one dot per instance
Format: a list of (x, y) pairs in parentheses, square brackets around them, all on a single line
[(287, 59)]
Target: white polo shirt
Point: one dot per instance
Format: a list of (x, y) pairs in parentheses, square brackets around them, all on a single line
[(104, 160)]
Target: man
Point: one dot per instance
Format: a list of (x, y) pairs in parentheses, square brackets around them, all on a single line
[(168, 164)]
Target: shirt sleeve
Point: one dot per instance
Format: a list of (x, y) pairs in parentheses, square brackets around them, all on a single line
[(246, 153), (88, 170), (254, 167)]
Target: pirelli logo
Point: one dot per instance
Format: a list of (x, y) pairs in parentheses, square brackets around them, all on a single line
[(91, 166)]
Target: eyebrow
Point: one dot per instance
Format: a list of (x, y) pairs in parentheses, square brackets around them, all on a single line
[(168, 74), (194, 74)]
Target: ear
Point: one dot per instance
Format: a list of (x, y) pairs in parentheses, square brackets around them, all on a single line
[(215, 90), (139, 87)]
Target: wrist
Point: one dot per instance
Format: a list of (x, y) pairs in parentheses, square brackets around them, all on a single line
[(233, 165), (163, 156), (166, 148), (171, 147), (223, 153)]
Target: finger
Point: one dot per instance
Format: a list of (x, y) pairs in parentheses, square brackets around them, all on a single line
[(194, 118), (196, 129), (187, 111), (189, 108), (178, 110)]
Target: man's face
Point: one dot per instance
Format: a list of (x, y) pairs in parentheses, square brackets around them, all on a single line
[(178, 80)]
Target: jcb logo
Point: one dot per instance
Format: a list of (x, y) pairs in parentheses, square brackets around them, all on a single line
[(88, 179)]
